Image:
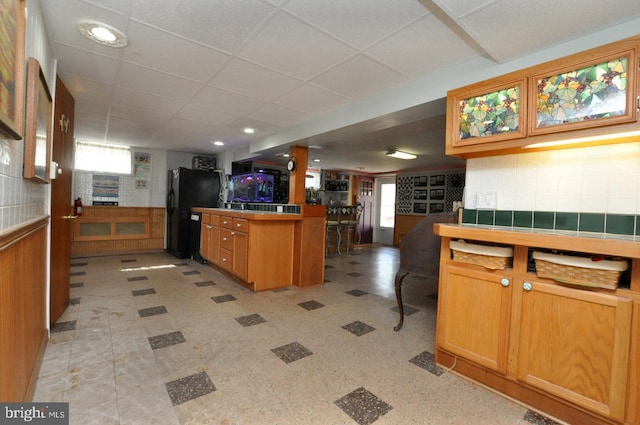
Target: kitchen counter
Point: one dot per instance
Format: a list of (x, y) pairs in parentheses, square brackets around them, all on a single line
[(250, 215)]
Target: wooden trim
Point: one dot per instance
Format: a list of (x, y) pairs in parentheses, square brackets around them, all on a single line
[(14, 234)]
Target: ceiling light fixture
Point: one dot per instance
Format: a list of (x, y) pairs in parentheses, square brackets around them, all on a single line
[(401, 155), (103, 34), (628, 134), (249, 130), (217, 143)]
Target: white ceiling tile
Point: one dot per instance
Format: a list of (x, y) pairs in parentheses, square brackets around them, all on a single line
[(98, 93), (203, 114), (459, 8), (222, 100), (423, 46), (359, 23), (149, 46), (294, 48), (223, 24), (359, 77), (253, 80), (142, 116), (279, 115), (145, 101), (151, 81), (534, 25), (85, 65), (312, 99)]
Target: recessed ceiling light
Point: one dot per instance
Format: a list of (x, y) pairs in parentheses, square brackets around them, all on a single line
[(249, 130), (102, 34), (401, 155), (217, 143), (316, 160)]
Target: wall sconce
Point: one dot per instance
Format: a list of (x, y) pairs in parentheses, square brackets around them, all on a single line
[(401, 155)]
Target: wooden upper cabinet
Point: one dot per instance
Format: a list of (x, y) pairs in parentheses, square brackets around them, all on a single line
[(578, 96)]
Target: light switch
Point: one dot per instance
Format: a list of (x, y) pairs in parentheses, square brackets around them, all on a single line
[(486, 200)]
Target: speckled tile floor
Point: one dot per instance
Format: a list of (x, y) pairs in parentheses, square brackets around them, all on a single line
[(151, 339)]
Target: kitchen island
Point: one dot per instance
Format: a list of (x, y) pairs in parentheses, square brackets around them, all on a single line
[(264, 250), (568, 350)]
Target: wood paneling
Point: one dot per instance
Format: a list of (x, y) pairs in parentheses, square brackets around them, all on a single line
[(23, 334)]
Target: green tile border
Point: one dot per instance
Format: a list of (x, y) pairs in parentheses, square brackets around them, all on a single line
[(621, 224)]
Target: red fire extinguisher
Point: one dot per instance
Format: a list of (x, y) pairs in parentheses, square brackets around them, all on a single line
[(77, 207)]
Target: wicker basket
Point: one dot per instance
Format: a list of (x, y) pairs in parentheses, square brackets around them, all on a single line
[(581, 271), (490, 257)]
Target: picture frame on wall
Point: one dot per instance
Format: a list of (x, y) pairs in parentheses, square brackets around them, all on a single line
[(436, 194), (12, 69), (38, 129), (420, 208), (437, 180), (419, 194), (420, 181), (436, 207)]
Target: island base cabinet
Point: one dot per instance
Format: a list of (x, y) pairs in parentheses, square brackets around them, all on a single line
[(574, 344), (473, 320)]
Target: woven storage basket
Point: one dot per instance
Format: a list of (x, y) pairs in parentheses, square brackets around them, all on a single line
[(581, 271), (490, 257)]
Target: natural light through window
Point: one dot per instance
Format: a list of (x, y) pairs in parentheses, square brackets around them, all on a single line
[(387, 204), (102, 158)]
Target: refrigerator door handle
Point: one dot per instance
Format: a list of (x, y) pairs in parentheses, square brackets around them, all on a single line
[(170, 199)]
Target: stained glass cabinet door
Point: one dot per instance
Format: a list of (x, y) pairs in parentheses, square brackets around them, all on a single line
[(487, 113)]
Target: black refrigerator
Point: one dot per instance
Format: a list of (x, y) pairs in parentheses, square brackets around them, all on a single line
[(187, 189)]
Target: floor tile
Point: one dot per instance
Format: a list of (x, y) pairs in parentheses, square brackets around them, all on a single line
[(291, 352), (63, 326), (189, 388), (166, 340), (311, 305), (358, 328), (357, 292), (205, 283), (223, 298), (76, 285), (408, 310), (537, 419), (190, 272), (139, 292), (137, 278), (152, 311), (250, 320), (363, 406), (426, 361)]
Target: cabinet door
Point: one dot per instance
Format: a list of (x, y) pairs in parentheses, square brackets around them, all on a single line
[(205, 236), (240, 254), (473, 315), (575, 344), (214, 245)]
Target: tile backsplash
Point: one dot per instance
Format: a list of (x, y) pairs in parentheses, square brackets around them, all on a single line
[(598, 180)]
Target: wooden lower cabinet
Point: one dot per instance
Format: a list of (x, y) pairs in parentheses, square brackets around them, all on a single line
[(564, 350), (574, 344), (473, 319), (259, 253)]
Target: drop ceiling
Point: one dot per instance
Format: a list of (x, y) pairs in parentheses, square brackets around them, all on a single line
[(348, 78)]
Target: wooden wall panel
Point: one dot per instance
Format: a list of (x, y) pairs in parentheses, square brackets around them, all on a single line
[(23, 333)]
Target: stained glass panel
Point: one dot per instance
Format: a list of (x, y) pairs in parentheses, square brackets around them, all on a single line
[(494, 113)]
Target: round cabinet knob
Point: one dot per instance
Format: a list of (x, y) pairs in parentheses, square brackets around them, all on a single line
[(505, 282), (238, 225), (527, 286)]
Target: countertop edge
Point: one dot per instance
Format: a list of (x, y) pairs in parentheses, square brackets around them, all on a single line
[(250, 215)]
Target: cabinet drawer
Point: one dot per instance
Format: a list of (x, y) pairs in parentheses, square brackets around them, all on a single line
[(226, 259), (206, 218), (226, 239), (226, 222), (214, 220), (241, 225)]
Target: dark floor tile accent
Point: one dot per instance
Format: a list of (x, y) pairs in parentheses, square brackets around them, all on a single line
[(356, 292), (190, 272), (281, 290), (327, 266), (189, 388), (77, 273), (166, 340), (311, 305), (152, 311), (129, 260), (74, 301), (433, 296), (426, 361), (408, 310), (137, 278), (224, 298), (355, 274), (78, 264), (63, 326), (363, 406), (139, 292), (354, 262), (205, 283), (76, 285), (291, 352), (537, 419), (358, 328), (250, 320), (181, 264)]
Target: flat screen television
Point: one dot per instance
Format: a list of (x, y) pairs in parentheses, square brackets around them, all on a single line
[(251, 187)]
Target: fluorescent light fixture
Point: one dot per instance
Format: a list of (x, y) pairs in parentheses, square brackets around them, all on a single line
[(217, 143), (249, 130), (401, 155), (582, 140), (102, 34), (316, 159)]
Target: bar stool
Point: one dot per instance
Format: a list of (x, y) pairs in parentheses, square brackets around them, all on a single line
[(350, 225), (332, 234)]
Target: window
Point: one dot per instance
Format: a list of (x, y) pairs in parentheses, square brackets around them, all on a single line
[(102, 158), (387, 204)]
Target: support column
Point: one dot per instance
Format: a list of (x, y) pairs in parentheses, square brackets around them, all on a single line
[(297, 193)]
